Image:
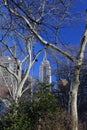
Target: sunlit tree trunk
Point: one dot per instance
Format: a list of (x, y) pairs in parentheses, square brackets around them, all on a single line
[(73, 97)]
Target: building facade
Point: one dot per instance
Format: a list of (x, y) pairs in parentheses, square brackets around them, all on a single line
[(5, 77), (45, 70)]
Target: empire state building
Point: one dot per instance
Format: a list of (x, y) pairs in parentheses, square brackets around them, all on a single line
[(45, 70)]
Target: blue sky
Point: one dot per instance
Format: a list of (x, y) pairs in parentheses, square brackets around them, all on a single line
[(71, 33), (74, 32)]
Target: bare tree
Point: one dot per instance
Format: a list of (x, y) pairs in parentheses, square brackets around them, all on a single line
[(34, 16), (20, 75)]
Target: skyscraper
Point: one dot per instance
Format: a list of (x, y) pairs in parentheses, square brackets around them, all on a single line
[(45, 70)]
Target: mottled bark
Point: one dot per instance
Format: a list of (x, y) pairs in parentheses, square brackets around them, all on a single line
[(73, 97)]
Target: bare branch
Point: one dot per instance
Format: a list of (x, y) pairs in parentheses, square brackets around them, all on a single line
[(24, 59), (10, 71), (82, 46), (38, 36), (9, 49), (42, 13), (37, 54), (25, 90)]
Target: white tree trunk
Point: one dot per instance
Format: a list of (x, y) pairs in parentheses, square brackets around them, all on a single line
[(19, 91), (73, 97)]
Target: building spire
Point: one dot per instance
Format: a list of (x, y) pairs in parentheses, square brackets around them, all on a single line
[(45, 56)]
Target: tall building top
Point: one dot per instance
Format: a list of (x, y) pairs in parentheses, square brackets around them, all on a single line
[(45, 70)]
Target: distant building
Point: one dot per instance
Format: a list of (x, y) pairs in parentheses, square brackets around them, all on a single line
[(32, 87), (45, 70), (8, 83), (5, 77)]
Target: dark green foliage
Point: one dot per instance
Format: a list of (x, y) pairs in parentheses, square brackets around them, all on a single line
[(43, 100), (20, 117), (42, 112)]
